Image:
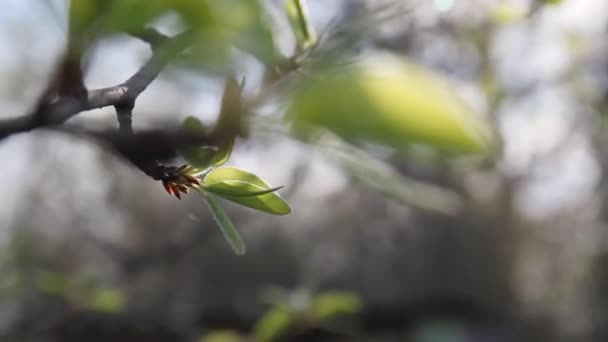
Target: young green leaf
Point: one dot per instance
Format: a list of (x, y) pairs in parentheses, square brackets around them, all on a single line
[(192, 124), (254, 33), (228, 229), (205, 156), (223, 336), (107, 300), (193, 171), (298, 17), (274, 325), (331, 304), (240, 187)]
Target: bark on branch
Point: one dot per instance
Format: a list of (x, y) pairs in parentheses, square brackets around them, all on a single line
[(62, 108)]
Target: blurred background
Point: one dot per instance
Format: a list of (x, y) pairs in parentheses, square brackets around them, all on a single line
[(380, 246)]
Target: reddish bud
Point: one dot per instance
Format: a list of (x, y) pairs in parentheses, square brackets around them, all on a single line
[(167, 187), (192, 179)]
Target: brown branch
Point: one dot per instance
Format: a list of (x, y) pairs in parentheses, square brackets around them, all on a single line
[(144, 149), (150, 36), (63, 108), (124, 114)]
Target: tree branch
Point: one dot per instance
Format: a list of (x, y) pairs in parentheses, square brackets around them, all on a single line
[(150, 36), (63, 108), (124, 114)]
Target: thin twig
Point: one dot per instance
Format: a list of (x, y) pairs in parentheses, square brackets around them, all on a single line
[(124, 114), (151, 36)]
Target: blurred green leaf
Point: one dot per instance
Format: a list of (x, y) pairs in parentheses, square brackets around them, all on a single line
[(204, 157), (103, 17), (297, 12), (252, 29), (388, 101), (332, 304), (129, 15), (382, 176), (222, 336), (107, 300), (216, 25), (228, 229), (11, 283), (53, 283), (192, 124), (240, 23), (274, 325), (506, 13), (227, 178), (552, 2)]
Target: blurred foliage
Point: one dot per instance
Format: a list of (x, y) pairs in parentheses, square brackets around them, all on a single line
[(222, 336), (275, 325), (391, 102), (204, 156), (333, 311), (81, 292), (305, 34), (329, 308), (506, 13), (217, 25)]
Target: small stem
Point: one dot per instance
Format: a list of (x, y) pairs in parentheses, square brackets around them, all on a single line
[(124, 114)]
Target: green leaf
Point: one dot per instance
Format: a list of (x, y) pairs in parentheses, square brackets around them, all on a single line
[(274, 325), (236, 23), (111, 16), (222, 336), (231, 179), (107, 300), (331, 304), (193, 171), (53, 283), (205, 156), (507, 13), (390, 101), (228, 229), (216, 26), (192, 124), (238, 188), (297, 12), (336, 311), (252, 29)]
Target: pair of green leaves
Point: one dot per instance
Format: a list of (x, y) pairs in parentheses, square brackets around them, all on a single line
[(230, 183), (243, 188)]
